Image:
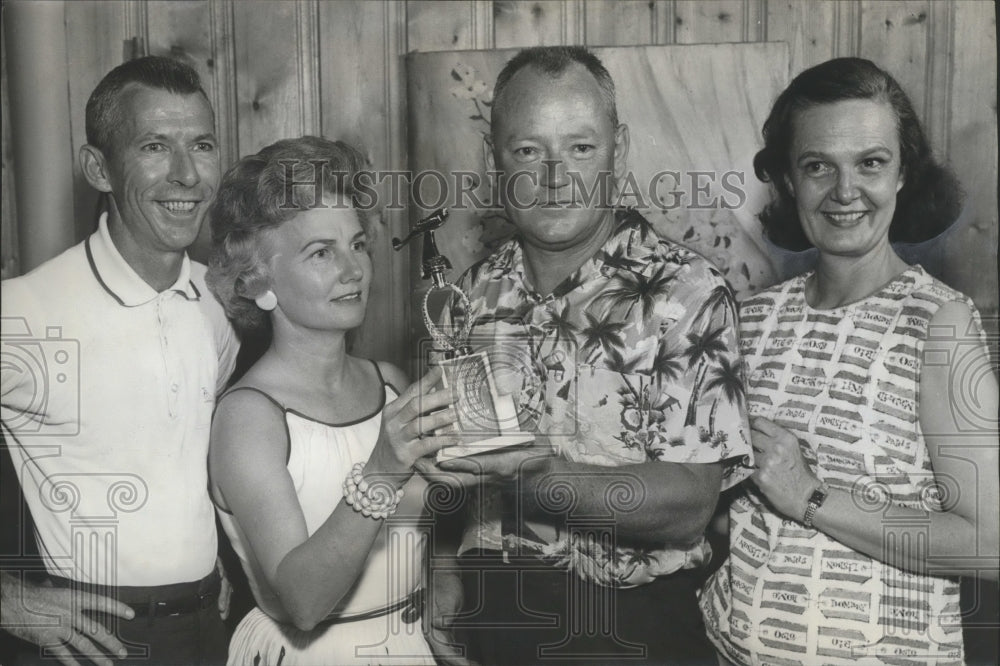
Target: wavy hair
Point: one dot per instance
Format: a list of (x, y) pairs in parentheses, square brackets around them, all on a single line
[(259, 193), (931, 197)]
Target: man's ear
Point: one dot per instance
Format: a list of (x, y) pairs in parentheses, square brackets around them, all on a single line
[(621, 150), (95, 168), (488, 152)]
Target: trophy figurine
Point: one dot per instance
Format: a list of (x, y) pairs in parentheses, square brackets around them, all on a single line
[(487, 419)]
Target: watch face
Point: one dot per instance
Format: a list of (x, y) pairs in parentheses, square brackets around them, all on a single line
[(815, 502)]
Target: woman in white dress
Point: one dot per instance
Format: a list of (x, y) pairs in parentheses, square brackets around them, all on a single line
[(312, 450)]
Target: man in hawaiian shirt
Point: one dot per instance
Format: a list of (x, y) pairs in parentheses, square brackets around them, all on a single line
[(622, 348)]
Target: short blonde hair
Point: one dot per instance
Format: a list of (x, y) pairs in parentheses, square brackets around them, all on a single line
[(259, 193)]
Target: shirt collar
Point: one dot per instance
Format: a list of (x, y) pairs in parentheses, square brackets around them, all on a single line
[(120, 280), (629, 247)]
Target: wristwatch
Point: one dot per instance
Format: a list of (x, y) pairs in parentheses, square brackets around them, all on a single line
[(815, 502)]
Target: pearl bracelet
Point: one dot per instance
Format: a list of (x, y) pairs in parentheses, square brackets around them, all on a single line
[(373, 500)]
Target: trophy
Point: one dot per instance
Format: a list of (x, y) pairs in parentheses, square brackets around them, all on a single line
[(487, 419)]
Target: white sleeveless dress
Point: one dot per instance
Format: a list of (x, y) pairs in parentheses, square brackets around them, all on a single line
[(320, 457)]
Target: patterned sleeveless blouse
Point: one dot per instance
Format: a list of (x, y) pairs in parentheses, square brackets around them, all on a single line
[(846, 382)]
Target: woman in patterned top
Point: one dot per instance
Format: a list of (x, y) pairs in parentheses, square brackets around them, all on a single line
[(872, 399)]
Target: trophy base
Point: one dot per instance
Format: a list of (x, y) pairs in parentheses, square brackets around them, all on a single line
[(505, 440)]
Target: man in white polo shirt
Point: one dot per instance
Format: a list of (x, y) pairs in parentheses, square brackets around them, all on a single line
[(114, 352)]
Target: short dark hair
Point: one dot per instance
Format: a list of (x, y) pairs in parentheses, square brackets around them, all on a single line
[(930, 199), (555, 60), (104, 115), (253, 198)]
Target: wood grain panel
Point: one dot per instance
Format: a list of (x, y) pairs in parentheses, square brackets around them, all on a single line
[(806, 28), (307, 41), (482, 24), (846, 28), (620, 22), (182, 30), (268, 73), (520, 23), (574, 21), (940, 54), (361, 105), (221, 84), (709, 21), (277, 69), (972, 252), (894, 35), (439, 25), (9, 266), (91, 60)]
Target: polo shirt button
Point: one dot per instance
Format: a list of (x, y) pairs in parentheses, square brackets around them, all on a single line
[(174, 388)]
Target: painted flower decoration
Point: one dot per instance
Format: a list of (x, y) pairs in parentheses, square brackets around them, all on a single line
[(469, 86)]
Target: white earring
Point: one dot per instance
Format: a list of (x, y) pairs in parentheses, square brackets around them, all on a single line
[(266, 301)]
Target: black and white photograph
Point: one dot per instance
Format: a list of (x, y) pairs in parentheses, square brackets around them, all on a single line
[(499, 332)]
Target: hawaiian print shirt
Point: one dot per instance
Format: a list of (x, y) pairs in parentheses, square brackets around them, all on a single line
[(633, 358)]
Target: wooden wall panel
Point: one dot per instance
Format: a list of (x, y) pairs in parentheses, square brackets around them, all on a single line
[(712, 21), (273, 89), (9, 266), (940, 53), (354, 98), (621, 22), (362, 106), (275, 69), (184, 30), (520, 23), (91, 60), (974, 153), (220, 83), (806, 28), (846, 28), (894, 34), (440, 25)]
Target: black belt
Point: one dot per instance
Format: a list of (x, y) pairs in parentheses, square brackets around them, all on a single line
[(158, 600), (413, 602)]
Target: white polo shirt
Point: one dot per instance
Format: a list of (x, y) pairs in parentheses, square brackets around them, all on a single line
[(107, 396)]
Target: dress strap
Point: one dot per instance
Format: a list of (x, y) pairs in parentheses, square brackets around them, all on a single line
[(284, 412), (381, 378)]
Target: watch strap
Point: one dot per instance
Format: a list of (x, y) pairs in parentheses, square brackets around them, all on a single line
[(815, 502)]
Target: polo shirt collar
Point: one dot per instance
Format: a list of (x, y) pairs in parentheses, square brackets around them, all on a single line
[(120, 280)]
